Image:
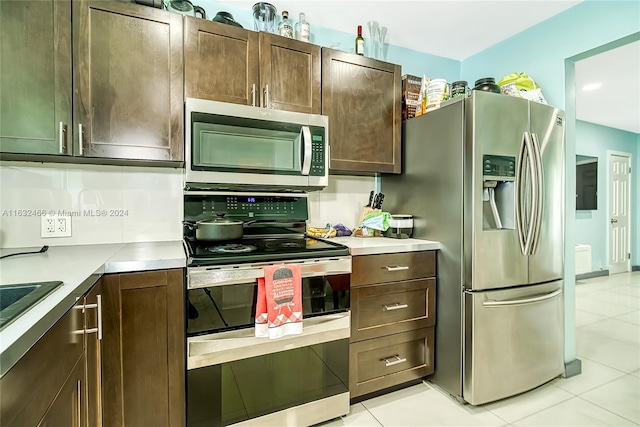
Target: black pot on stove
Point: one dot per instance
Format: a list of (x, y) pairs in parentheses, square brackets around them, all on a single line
[(217, 229)]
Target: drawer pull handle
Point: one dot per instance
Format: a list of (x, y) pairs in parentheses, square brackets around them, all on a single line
[(397, 361), (397, 267), (396, 306)]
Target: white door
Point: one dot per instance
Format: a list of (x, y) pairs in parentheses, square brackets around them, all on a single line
[(619, 213)]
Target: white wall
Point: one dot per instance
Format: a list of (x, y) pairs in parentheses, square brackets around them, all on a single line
[(151, 199), (341, 201)]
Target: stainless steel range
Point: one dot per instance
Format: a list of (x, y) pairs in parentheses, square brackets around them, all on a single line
[(234, 378)]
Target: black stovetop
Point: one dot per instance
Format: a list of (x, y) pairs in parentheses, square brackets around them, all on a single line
[(202, 253)]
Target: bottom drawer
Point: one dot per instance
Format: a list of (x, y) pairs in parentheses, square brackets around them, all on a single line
[(387, 361)]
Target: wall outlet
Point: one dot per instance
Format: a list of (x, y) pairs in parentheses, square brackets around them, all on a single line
[(55, 226)]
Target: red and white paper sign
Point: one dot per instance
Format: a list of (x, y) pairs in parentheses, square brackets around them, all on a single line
[(283, 300)]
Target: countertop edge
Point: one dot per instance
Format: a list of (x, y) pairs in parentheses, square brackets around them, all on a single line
[(14, 352), (123, 260)]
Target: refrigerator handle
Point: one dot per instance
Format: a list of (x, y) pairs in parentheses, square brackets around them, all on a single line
[(523, 236), (493, 303), (532, 175), (539, 203)]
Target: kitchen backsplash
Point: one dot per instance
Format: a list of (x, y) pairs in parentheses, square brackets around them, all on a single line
[(141, 204), (341, 201)]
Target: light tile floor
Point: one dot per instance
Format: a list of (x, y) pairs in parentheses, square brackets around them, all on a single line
[(607, 393)]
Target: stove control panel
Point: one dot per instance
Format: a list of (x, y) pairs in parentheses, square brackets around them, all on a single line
[(246, 206)]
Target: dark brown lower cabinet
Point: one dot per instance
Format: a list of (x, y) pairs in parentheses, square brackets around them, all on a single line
[(393, 308), (69, 407), (143, 357), (42, 387)]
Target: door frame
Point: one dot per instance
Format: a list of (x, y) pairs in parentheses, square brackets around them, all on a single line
[(628, 155)]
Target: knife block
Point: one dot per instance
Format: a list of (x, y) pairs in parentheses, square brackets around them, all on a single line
[(366, 210)]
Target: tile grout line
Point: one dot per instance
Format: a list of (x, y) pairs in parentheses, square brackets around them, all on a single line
[(606, 409)]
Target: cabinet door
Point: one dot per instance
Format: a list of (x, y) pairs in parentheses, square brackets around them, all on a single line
[(289, 74), (37, 378), (69, 406), (128, 89), (35, 76), (143, 363), (93, 355), (362, 97), (221, 62)]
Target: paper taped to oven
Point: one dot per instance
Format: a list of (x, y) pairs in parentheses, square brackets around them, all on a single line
[(283, 301)]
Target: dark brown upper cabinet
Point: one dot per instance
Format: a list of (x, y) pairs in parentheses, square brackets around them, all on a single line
[(362, 97), (230, 64), (128, 89), (35, 76)]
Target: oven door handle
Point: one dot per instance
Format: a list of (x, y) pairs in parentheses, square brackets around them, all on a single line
[(305, 135), (204, 277)]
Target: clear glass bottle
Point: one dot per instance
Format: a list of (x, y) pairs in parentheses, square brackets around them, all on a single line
[(360, 42), (303, 29), (285, 29)]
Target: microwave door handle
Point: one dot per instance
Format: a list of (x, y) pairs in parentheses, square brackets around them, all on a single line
[(305, 134)]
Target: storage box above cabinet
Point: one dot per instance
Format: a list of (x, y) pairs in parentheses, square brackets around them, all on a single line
[(230, 64), (362, 97)]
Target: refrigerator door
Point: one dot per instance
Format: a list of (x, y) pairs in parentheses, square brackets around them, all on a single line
[(496, 127), (546, 262), (513, 341)]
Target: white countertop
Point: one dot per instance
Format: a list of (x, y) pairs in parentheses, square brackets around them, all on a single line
[(384, 245), (79, 268)]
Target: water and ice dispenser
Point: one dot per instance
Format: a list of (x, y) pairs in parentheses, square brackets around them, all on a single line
[(498, 192)]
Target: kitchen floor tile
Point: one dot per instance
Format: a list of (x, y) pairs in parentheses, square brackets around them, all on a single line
[(529, 403), (574, 412), (632, 317), (585, 287), (613, 296), (422, 405), (624, 356), (615, 329), (593, 375), (358, 417), (584, 318), (621, 396), (594, 305), (632, 289)]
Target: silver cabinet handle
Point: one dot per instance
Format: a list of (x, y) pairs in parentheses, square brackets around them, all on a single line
[(98, 306), (266, 97), (78, 422), (396, 267), (80, 139), (253, 95), (396, 306), (62, 136), (613, 220), (397, 360)]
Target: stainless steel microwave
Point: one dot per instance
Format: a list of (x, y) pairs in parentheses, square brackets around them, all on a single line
[(230, 146)]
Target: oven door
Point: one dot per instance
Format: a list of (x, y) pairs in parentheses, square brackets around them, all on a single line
[(241, 145), (235, 378)]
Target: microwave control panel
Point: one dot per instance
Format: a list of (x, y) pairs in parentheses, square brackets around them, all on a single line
[(318, 151)]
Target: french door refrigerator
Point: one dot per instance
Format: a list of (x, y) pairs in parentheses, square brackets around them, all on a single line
[(484, 175)]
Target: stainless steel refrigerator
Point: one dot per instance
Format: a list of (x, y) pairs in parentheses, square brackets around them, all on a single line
[(484, 175)]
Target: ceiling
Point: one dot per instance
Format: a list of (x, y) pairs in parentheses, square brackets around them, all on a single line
[(459, 29), (616, 102)]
